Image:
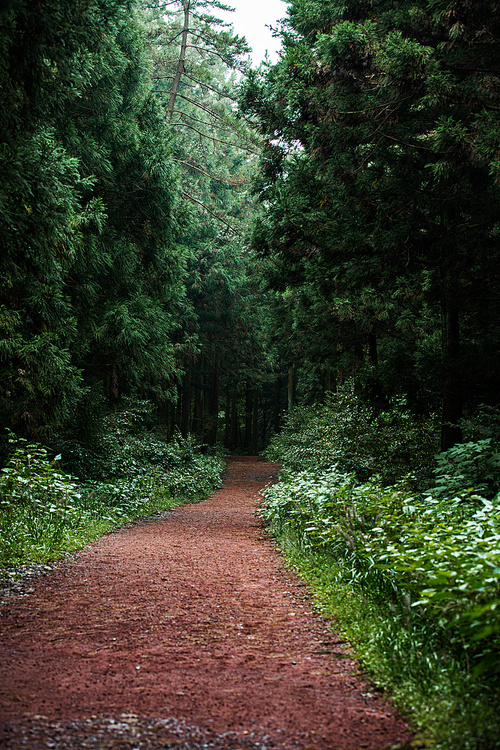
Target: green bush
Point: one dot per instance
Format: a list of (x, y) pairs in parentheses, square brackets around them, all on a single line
[(349, 434), (429, 566), (439, 556), (468, 467), (45, 512), (413, 573)]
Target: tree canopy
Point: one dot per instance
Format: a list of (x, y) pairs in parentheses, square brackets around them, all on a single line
[(379, 183), (162, 241)]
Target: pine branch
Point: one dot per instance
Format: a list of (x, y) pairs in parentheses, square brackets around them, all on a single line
[(223, 181), (217, 140), (212, 213)]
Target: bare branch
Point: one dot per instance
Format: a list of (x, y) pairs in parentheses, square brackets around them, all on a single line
[(208, 210), (183, 113), (217, 140), (223, 180), (206, 85), (201, 106), (182, 57)]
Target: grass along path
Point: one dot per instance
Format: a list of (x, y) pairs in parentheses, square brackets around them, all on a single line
[(183, 630)]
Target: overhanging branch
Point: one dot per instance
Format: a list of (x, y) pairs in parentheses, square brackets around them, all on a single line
[(212, 213)]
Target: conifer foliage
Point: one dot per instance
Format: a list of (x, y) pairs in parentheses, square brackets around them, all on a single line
[(91, 272), (123, 206), (379, 187)]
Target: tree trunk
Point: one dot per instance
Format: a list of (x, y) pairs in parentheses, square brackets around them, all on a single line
[(114, 391), (265, 420), (180, 64), (214, 403), (234, 421), (170, 419), (277, 394), (162, 411), (359, 354), (227, 422), (372, 348), (290, 388), (177, 410), (198, 408), (186, 402), (255, 423), (451, 432), (340, 369), (248, 417), (327, 382)]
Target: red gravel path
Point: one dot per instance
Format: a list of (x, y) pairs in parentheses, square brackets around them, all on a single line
[(183, 631)]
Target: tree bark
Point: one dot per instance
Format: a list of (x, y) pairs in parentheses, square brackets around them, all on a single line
[(227, 422), (372, 348), (214, 403), (180, 64), (170, 419), (114, 391), (198, 408), (277, 394), (186, 402), (255, 423), (340, 369), (248, 417), (234, 421), (451, 432), (327, 382), (290, 388)]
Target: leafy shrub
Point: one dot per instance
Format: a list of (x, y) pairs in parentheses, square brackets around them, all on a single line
[(415, 574), (349, 434), (431, 568), (439, 556), (472, 467), (45, 511)]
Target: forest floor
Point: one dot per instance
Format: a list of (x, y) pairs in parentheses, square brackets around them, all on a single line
[(185, 630)]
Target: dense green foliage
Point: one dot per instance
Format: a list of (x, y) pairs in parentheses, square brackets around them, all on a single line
[(380, 197), (121, 218), (46, 512), (348, 433), (92, 274), (146, 297), (420, 565)]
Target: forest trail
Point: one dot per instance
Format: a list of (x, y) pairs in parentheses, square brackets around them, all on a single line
[(185, 630)]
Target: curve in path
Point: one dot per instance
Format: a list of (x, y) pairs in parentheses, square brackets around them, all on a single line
[(184, 630)]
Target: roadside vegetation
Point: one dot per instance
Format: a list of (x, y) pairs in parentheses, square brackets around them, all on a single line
[(402, 550), (53, 505)]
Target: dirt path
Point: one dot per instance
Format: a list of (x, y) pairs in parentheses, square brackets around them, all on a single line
[(183, 631)]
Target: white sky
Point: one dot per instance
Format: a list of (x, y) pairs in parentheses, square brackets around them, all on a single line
[(249, 20)]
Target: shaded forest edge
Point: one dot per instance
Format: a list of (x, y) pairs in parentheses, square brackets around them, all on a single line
[(405, 562), (47, 513)]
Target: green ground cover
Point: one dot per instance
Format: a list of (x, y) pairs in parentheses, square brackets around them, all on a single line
[(47, 511), (411, 573)]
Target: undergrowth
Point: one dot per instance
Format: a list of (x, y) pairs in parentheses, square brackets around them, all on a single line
[(447, 707), (348, 433), (47, 512), (405, 559)]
